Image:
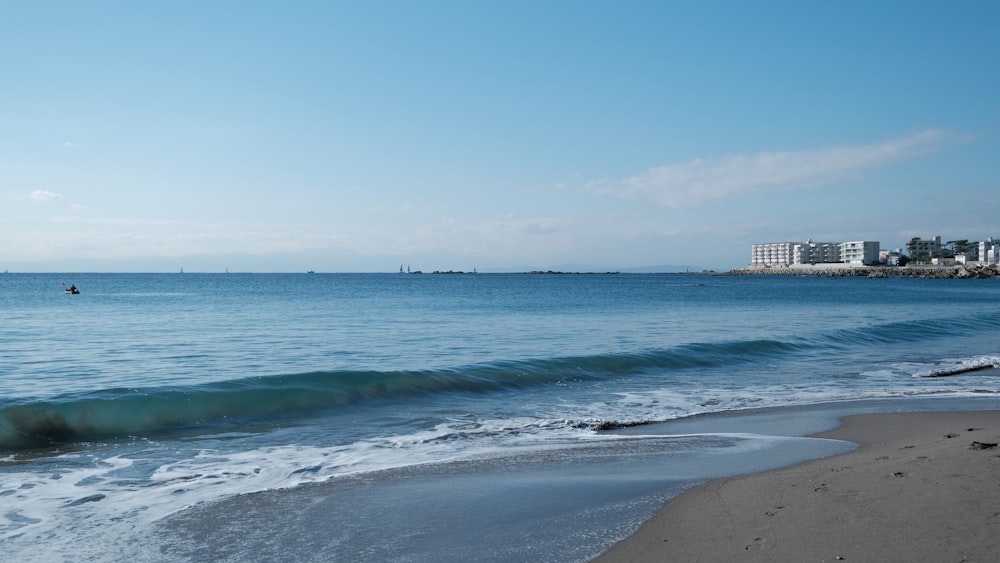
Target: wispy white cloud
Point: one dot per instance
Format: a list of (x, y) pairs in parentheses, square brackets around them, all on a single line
[(690, 183), (44, 195)]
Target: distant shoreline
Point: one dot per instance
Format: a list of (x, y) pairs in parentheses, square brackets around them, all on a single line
[(826, 270), (841, 270)]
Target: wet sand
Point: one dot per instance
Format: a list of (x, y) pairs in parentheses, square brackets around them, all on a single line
[(922, 487)]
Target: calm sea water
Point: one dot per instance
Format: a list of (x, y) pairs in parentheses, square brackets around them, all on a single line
[(456, 411)]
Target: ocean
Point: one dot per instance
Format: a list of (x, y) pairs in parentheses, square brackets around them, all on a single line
[(428, 417)]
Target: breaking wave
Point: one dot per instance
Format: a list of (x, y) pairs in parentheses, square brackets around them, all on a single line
[(122, 413)]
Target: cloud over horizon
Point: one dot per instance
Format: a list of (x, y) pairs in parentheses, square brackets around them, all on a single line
[(690, 183)]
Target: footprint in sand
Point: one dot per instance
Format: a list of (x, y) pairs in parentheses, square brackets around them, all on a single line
[(982, 445)]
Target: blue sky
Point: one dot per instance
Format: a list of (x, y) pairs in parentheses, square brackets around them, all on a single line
[(358, 136)]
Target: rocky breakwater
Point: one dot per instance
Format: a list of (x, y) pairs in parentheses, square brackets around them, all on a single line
[(925, 272)]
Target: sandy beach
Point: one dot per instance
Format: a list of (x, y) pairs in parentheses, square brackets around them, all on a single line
[(921, 487)]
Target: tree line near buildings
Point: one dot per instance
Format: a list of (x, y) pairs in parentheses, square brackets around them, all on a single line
[(950, 249)]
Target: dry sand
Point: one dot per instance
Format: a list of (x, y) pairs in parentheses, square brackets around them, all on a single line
[(917, 489)]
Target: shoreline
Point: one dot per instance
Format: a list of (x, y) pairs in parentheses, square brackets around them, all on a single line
[(957, 271), (916, 489), (569, 503)]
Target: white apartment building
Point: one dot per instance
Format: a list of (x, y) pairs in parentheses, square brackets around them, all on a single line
[(776, 253), (989, 251), (859, 252), (809, 252)]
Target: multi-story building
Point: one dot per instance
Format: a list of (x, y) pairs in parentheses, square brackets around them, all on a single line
[(989, 251), (923, 249), (773, 253), (809, 252), (859, 252)]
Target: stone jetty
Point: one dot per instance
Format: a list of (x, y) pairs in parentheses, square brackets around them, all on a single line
[(841, 270)]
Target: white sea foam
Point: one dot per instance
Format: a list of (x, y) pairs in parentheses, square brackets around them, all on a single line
[(89, 496)]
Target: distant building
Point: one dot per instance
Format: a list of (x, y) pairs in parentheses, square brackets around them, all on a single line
[(890, 257), (809, 252), (989, 251), (924, 249), (859, 252), (773, 253)]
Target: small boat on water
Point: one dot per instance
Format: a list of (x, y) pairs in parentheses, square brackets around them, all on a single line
[(71, 291)]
